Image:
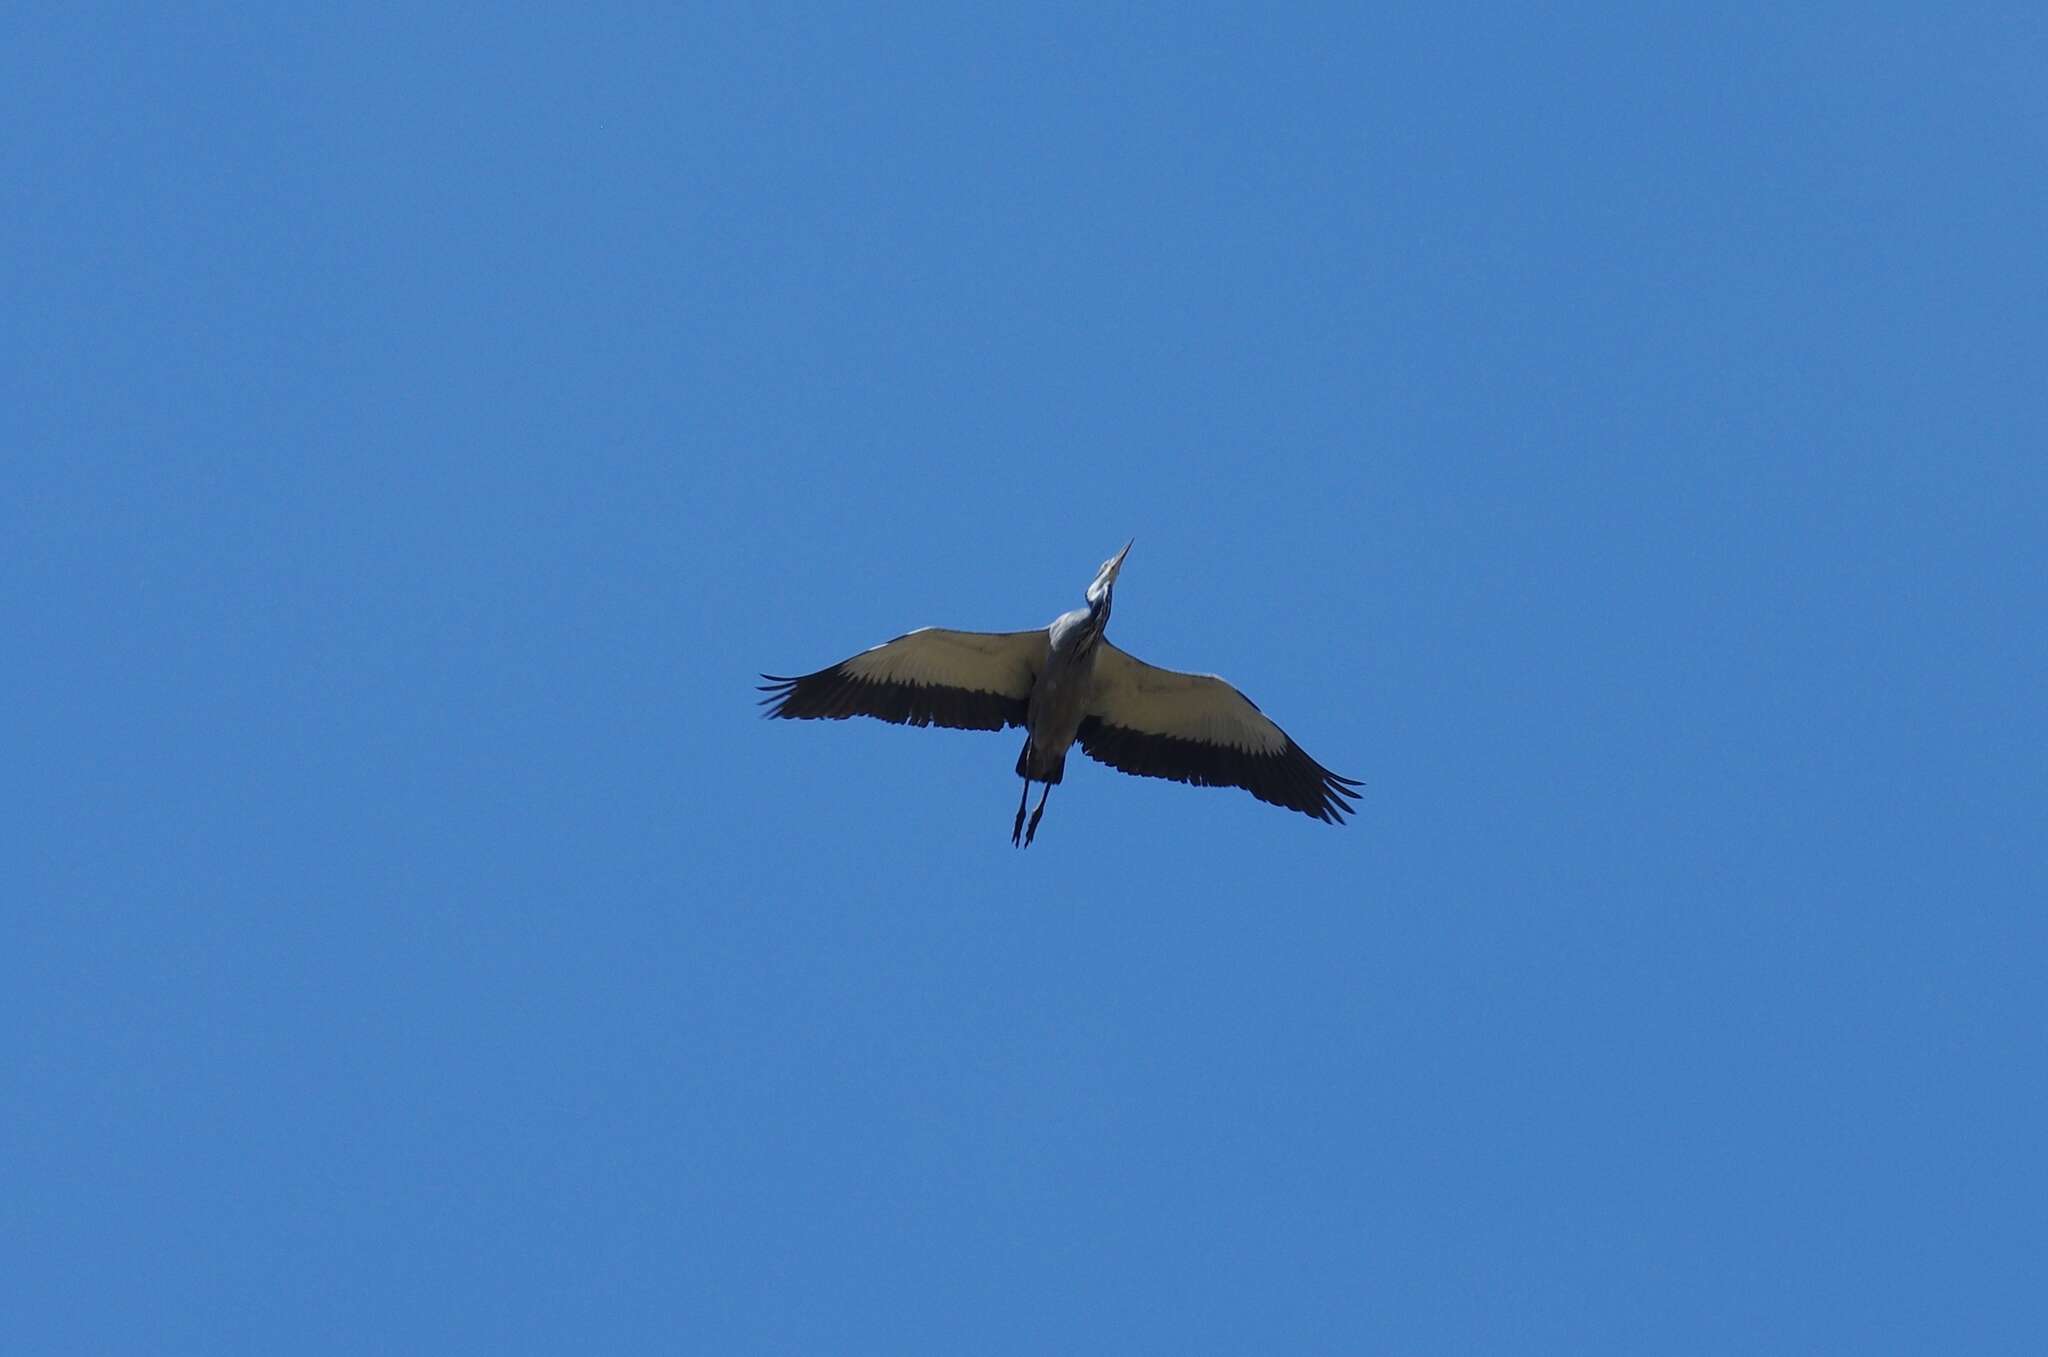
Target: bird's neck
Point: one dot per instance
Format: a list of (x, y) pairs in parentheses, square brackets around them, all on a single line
[(1098, 621)]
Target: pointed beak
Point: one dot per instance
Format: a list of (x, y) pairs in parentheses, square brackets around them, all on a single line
[(1105, 578)]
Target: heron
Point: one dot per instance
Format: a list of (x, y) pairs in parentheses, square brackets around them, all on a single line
[(1066, 684)]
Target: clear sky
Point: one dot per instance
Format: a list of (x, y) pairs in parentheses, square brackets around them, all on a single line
[(1616, 435)]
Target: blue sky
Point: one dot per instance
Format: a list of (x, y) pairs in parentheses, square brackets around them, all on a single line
[(1616, 435)]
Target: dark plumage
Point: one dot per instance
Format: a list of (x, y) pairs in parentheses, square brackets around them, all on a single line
[(1067, 684)]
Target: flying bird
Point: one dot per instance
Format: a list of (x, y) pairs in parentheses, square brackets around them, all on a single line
[(1066, 684)]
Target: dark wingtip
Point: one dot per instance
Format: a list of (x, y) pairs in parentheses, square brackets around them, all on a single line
[(778, 690)]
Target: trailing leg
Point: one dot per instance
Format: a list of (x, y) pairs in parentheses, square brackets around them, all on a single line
[(1036, 815)]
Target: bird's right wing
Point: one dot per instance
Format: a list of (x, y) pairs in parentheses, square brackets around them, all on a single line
[(968, 680), (1195, 728)]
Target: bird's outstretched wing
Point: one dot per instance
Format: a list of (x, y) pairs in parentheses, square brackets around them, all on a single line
[(968, 680), (1198, 729)]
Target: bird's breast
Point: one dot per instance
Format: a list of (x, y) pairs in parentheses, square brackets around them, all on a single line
[(1059, 701)]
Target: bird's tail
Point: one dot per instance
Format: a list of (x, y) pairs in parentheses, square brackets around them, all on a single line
[(1051, 777)]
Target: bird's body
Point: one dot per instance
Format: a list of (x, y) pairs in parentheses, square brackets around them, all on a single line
[(1060, 698), (1065, 684)]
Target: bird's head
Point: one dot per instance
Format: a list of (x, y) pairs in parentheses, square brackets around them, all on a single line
[(1105, 578)]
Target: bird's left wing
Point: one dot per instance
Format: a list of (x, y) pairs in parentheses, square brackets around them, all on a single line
[(1198, 729), (968, 680)]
